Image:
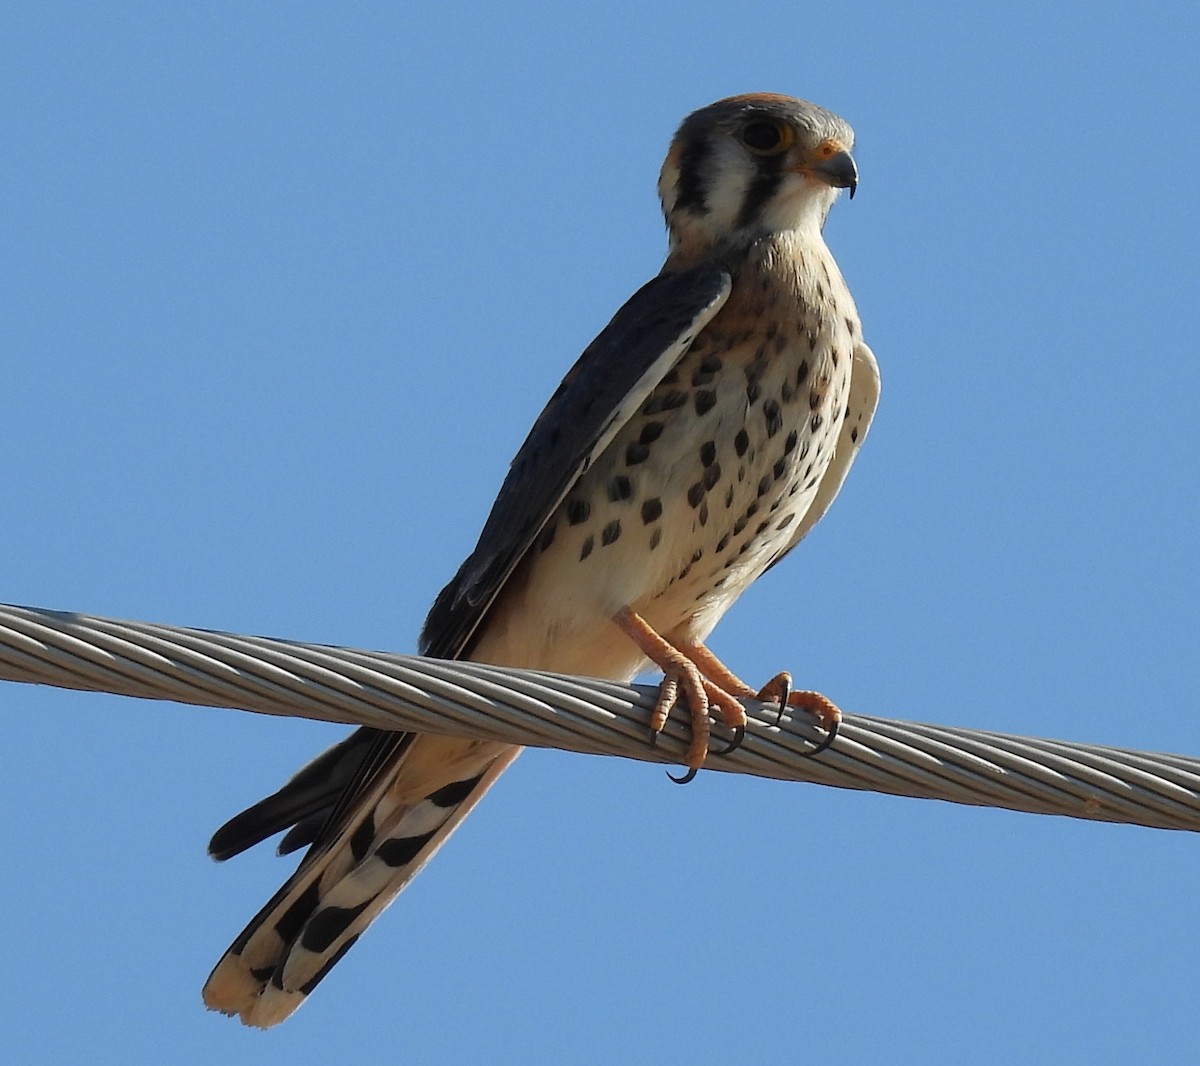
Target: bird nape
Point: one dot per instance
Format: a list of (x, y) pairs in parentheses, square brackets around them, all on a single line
[(695, 442)]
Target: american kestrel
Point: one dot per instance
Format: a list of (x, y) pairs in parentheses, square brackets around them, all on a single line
[(695, 442)]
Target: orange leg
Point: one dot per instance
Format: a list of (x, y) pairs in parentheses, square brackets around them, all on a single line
[(678, 671), (707, 682), (778, 690)]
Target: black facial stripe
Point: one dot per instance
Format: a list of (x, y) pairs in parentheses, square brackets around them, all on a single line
[(693, 162), (762, 188)]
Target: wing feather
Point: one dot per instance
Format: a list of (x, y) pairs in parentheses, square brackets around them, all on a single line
[(608, 383), (860, 410), (601, 392)]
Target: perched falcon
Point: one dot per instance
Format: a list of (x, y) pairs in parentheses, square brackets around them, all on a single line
[(695, 442)]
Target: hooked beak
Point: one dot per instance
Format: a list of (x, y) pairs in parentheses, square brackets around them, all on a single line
[(834, 166)]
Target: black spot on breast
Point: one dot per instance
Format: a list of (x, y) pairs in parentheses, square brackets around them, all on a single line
[(610, 532), (702, 514), (773, 416), (785, 521), (762, 527), (708, 452), (753, 391), (712, 474), (671, 377), (723, 543), (586, 550), (814, 399), (655, 537), (619, 488), (779, 468), (854, 435), (651, 431), (704, 400), (636, 452), (665, 401), (764, 485), (739, 525), (801, 372), (547, 537), (578, 511), (696, 493), (815, 422), (729, 497), (741, 442), (789, 445), (651, 510)]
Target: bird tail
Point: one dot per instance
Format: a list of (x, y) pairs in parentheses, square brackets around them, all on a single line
[(414, 792)]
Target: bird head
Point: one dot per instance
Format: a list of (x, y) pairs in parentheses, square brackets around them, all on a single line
[(750, 166)]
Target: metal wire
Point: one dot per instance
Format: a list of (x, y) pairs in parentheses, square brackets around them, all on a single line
[(596, 717)]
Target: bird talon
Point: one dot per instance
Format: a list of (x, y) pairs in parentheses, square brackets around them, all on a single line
[(778, 689), (739, 734), (785, 692), (830, 737), (689, 776)]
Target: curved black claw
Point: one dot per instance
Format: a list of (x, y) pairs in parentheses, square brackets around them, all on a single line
[(739, 734), (689, 776), (784, 695), (830, 737)]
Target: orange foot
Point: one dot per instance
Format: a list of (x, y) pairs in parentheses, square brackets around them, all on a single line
[(707, 682)]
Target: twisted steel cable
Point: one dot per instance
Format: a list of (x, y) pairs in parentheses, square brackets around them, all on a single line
[(406, 692)]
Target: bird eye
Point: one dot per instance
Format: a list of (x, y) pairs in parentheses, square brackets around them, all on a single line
[(766, 137)]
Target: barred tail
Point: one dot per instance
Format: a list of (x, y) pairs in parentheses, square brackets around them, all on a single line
[(408, 807)]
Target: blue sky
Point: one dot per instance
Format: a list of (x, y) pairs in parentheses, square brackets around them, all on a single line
[(283, 288)]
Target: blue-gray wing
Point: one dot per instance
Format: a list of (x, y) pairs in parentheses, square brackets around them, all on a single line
[(601, 392)]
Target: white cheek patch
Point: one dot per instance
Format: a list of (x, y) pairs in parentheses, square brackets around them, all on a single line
[(728, 182)]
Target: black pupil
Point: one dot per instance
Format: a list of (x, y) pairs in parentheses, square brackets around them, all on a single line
[(761, 136)]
